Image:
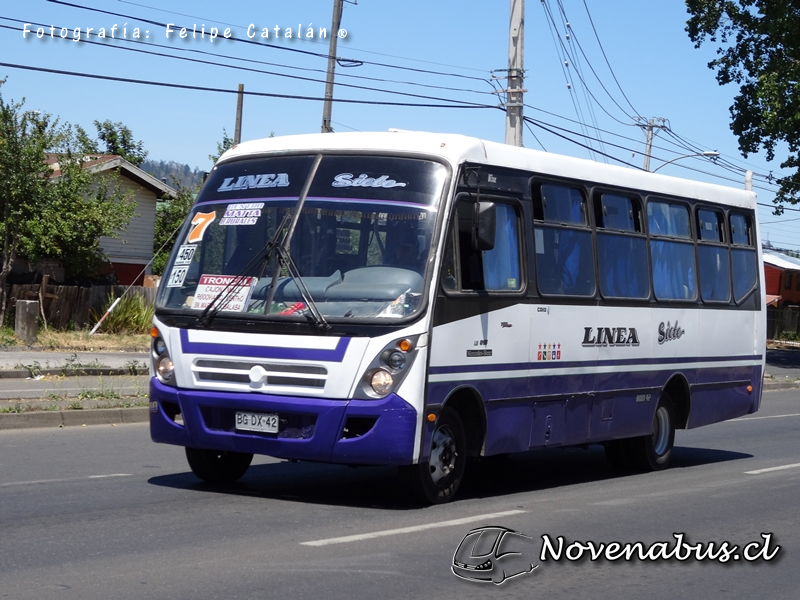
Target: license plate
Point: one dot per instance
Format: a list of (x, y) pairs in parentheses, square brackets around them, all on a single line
[(262, 422)]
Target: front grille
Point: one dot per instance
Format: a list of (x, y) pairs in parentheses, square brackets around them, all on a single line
[(235, 374)]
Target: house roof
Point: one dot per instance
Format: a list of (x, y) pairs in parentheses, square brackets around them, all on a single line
[(98, 163), (780, 260)]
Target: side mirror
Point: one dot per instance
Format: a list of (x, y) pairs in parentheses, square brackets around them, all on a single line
[(484, 222)]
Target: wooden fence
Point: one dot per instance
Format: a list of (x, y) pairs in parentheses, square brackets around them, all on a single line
[(75, 306), (783, 323)]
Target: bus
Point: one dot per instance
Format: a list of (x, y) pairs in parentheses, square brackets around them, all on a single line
[(418, 299)]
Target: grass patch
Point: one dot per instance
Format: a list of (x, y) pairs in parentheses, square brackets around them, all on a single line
[(131, 315), (99, 395)]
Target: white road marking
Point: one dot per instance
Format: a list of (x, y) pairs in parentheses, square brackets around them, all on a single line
[(40, 481), (767, 417), (781, 468), (414, 528)]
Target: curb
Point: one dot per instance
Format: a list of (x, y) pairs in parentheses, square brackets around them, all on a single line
[(25, 374), (781, 385), (74, 418)]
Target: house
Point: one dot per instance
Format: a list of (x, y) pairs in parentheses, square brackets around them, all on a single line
[(781, 278), (129, 255)]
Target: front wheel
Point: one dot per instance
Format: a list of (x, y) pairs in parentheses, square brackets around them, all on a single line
[(653, 452), (436, 481), (218, 466)]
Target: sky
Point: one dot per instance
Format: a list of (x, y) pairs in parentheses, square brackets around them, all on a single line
[(595, 72)]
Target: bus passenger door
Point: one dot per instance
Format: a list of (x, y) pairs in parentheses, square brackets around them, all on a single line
[(482, 322)]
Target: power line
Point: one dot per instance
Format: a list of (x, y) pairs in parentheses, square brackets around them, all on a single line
[(608, 64), (269, 45), (429, 62), (273, 73), (227, 91), (247, 60)]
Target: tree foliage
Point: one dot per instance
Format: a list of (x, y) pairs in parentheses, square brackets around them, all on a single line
[(170, 215), (112, 138), (758, 50), (52, 217), (225, 144)]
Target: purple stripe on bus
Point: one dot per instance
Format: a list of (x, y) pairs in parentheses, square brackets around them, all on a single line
[(219, 349), (555, 364)]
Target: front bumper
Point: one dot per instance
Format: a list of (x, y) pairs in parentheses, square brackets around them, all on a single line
[(340, 431)]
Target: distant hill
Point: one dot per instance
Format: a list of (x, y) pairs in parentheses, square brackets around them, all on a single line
[(185, 175)]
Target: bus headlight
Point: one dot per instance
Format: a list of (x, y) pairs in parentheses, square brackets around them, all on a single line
[(381, 382), (389, 367), (165, 368), (396, 360), (161, 362)]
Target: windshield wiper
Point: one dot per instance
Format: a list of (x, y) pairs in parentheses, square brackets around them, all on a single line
[(284, 257), (225, 294)]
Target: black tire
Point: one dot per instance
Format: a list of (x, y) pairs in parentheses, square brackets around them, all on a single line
[(437, 480), (653, 452), (218, 466)]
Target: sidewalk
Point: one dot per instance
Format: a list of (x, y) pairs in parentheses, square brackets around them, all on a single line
[(21, 361), (58, 389)]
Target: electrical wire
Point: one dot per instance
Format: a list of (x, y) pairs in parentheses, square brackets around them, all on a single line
[(429, 62), (227, 91), (106, 44), (262, 71), (326, 56)]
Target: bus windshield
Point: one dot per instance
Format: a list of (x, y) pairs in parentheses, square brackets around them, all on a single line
[(354, 245)]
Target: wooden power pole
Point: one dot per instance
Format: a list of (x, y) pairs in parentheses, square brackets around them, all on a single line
[(327, 105)]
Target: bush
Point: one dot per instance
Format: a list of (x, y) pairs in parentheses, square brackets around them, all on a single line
[(132, 315)]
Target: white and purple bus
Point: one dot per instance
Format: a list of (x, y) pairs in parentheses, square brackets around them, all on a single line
[(415, 299)]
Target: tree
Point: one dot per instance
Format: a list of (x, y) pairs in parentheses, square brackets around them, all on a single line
[(226, 144), (45, 216), (170, 215), (758, 51), (222, 146), (116, 138)]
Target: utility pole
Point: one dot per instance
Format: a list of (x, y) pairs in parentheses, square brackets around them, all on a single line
[(516, 52), (327, 105), (748, 181), (651, 125), (237, 128)]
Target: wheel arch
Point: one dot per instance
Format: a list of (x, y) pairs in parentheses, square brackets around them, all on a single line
[(680, 393), (469, 405)]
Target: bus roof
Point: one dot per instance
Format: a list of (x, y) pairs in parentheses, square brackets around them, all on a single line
[(457, 149)]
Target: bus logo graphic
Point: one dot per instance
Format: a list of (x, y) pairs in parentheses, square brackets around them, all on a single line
[(549, 352), (347, 180), (669, 332), (492, 554), (610, 336), (246, 182)]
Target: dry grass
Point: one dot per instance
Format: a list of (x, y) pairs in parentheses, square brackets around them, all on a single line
[(78, 341)]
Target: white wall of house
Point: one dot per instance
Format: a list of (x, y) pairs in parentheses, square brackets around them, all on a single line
[(135, 244)]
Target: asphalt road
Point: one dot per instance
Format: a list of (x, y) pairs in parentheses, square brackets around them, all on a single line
[(101, 512)]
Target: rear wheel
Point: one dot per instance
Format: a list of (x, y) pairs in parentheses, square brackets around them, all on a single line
[(653, 452), (436, 481), (218, 466)]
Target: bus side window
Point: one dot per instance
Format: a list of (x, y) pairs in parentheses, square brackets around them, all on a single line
[(743, 256), (495, 270), (621, 247), (671, 251), (563, 242), (712, 254)]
